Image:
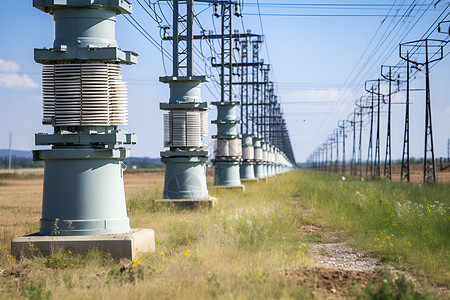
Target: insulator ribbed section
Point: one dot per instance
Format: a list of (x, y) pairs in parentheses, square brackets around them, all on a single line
[(84, 95), (228, 148), (167, 130), (265, 156), (258, 154), (204, 116), (271, 157), (248, 152), (184, 128)]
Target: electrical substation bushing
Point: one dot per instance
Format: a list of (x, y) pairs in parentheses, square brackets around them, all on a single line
[(185, 123), (259, 163), (265, 146), (271, 160), (85, 100), (247, 168), (277, 161), (228, 150)]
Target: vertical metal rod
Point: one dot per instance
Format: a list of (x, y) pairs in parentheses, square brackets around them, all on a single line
[(377, 145), (331, 155), (353, 169), (370, 152), (343, 149), (428, 125), (387, 159), (448, 150), (337, 151), (405, 164), (190, 35), (360, 137), (9, 158), (222, 65), (175, 39)]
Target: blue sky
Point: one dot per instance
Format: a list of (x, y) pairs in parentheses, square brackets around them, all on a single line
[(312, 60)]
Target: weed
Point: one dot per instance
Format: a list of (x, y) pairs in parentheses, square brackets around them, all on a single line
[(54, 262), (35, 291), (67, 280), (390, 289)]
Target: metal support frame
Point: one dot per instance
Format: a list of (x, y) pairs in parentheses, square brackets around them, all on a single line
[(185, 176), (406, 169), (429, 167), (388, 155), (342, 126)]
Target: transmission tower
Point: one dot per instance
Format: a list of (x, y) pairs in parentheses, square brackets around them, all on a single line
[(353, 160), (406, 169), (429, 168), (388, 157), (342, 126)]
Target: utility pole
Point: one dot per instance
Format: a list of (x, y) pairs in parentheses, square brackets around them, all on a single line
[(360, 137), (370, 151), (336, 167), (9, 158), (429, 165), (388, 156), (331, 143), (353, 163), (377, 143), (406, 169), (342, 126)]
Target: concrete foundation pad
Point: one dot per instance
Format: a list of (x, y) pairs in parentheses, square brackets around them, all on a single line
[(228, 187), (249, 180), (125, 245), (208, 201)]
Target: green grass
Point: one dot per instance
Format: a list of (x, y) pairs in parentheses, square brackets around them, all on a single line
[(245, 246), (406, 224)]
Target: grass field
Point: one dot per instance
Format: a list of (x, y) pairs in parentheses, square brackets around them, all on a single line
[(248, 247)]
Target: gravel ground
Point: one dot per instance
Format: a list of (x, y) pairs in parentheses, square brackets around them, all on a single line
[(341, 256)]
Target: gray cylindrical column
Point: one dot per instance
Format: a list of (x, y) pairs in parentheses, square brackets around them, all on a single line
[(247, 170), (83, 196), (228, 149)]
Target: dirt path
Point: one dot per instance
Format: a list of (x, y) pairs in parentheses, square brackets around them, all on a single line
[(336, 267)]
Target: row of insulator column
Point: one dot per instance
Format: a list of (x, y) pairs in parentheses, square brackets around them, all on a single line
[(261, 159)]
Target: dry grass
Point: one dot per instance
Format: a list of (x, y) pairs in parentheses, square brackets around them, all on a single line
[(239, 249), (244, 248), (416, 173)]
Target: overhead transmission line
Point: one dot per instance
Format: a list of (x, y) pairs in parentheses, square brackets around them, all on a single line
[(346, 90)]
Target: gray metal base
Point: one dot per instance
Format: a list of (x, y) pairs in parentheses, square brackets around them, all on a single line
[(226, 187), (125, 245), (208, 201), (185, 177), (226, 173), (247, 170), (83, 192), (250, 180), (259, 169)]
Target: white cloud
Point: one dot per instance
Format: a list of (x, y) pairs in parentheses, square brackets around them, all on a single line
[(447, 110), (311, 95), (9, 66), (9, 77), (445, 115)]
